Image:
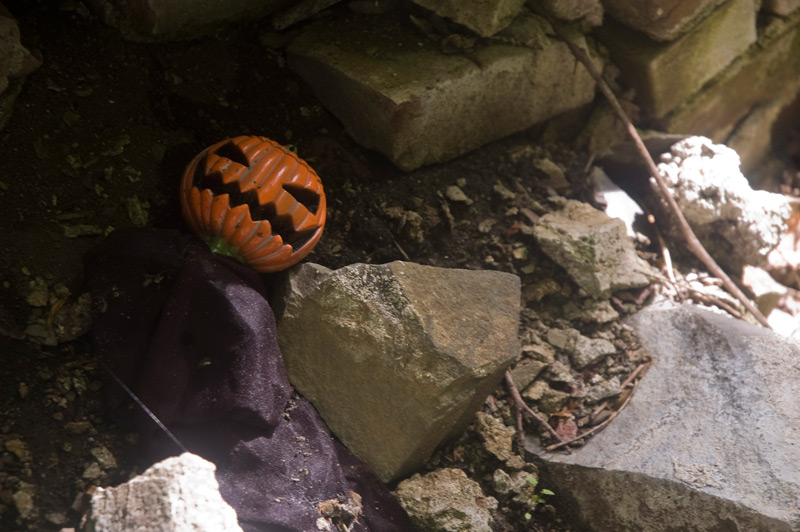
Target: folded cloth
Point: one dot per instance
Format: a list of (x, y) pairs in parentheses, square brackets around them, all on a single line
[(193, 336)]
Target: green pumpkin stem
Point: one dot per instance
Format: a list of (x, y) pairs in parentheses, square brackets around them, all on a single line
[(219, 245)]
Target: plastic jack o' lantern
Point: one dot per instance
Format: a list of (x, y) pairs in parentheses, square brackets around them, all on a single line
[(253, 199)]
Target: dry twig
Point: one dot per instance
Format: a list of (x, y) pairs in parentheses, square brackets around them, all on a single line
[(520, 406), (692, 242), (614, 414)]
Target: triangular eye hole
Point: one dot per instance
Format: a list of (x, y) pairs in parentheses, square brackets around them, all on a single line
[(282, 225), (306, 197), (232, 151)]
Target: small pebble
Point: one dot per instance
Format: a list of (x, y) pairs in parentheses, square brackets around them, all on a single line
[(454, 193)]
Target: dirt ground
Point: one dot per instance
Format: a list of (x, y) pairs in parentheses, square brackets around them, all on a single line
[(98, 140)]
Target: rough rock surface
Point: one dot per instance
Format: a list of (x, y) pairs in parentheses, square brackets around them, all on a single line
[(593, 248), (737, 225), (662, 20), (397, 92), (397, 357), (15, 63), (484, 17), (179, 494), (666, 74), (446, 500), (713, 425)]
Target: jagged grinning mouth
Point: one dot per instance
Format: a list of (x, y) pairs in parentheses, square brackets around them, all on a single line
[(281, 223)]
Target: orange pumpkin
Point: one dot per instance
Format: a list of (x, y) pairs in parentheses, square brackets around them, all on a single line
[(253, 199)]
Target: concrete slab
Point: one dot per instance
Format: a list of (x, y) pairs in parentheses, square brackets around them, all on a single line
[(768, 73), (661, 20), (397, 92), (666, 74)]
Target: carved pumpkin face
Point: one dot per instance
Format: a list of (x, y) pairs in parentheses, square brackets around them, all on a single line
[(253, 199)]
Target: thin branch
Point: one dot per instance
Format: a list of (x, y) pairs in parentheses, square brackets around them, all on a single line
[(610, 418), (520, 404), (692, 242)]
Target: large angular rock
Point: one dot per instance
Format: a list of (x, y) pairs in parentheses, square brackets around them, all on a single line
[(661, 20), (710, 441), (397, 92), (593, 248), (484, 17), (768, 72), (15, 63), (179, 494), (736, 224), (398, 357), (666, 74)]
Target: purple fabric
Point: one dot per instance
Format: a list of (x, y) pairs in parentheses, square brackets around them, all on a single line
[(193, 336)]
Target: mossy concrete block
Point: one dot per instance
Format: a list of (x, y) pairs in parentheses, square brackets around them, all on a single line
[(661, 20), (397, 93), (765, 77), (484, 17), (666, 74), (781, 7), (397, 358)]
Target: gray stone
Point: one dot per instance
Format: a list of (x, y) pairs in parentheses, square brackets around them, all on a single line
[(767, 291), (562, 338), (23, 499), (713, 430), (547, 399), (38, 293), (484, 17), (497, 437), (602, 389), (398, 357), (446, 500), (454, 193), (737, 225), (179, 494), (588, 350), (525, 372), (593, 248), (662, 20), (592, 311), (178, 19), (399, 94), (752, 137), (666, 74)]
